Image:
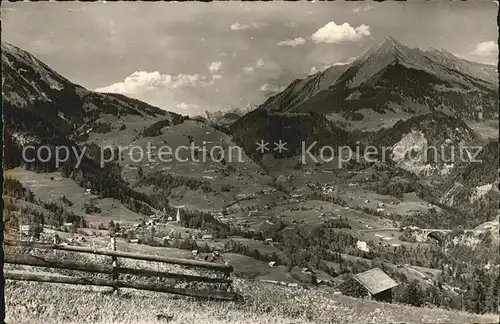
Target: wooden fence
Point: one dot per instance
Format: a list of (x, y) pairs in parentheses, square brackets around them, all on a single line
[(115, 270)]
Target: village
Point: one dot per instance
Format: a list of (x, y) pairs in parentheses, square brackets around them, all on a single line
[(293, 202), (161, 233)]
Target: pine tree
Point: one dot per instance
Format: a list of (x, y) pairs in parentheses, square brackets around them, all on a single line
[(495, 289), (479, 292), (111, 228), (413, 294)]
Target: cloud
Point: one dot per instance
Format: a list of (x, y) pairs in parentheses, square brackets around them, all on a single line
[(292, 42), (185, 106), (182, 93), (215, 66), (141, 82), (262, 66), (248, 69), (323, 67), (348, 61), (365, 9), (266, 87), (333, 33), (268, 68), (182, 80), (486, 49), (238, 26), (262, 71)]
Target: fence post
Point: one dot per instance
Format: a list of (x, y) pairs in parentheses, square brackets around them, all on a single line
[(115, 264)]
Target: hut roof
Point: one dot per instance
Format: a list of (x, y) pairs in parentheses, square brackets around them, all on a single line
[(375, 280)]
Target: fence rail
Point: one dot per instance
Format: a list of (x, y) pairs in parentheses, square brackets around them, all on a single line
[(128, 255), (115, 270), (41, 277)]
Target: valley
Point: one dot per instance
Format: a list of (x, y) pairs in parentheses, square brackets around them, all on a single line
[(275, 219)]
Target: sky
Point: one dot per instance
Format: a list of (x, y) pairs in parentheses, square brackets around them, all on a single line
[(192, 57)]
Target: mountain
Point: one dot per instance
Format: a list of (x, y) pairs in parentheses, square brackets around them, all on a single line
[(393, 78), (440, 63), (41, 107), (226, 118), (302, 89), (474, 186), (33, 89), (307, 210), (295, 130), (424, 144)]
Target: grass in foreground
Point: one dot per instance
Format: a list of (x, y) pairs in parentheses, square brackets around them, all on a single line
[(30, 302)]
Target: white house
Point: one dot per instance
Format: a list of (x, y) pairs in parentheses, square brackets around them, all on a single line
[(178, 216), (25, 229)]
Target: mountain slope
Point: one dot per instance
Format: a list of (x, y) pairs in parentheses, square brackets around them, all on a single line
[(394, 78), (262, 303), (296, 130), (432, 140), (474, 186), (31, 85), (437, 62), (41, 107), (302, 89)]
